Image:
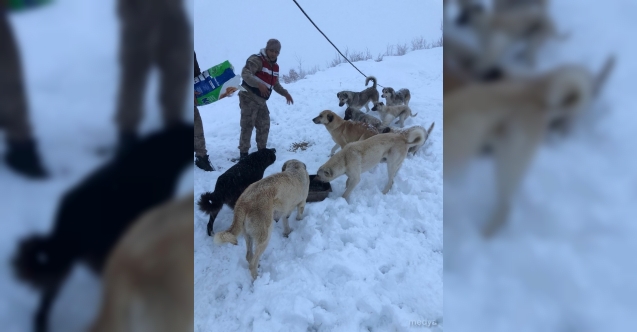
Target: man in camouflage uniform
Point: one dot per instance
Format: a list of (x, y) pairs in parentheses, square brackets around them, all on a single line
[(21, 154), (201, 154), (152, 33), (260, 76)]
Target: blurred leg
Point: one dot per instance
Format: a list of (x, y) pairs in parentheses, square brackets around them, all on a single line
[(136, 19), (14, 118), (173, 53)]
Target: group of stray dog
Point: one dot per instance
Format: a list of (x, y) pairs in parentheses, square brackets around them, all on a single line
[(365, 141), (489, 108)]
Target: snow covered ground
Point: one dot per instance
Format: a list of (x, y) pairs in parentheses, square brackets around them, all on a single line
[(374, 264), (564, 261), (69, 55)]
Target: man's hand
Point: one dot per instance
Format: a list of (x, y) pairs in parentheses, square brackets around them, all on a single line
[(264, 90), (289, 98)]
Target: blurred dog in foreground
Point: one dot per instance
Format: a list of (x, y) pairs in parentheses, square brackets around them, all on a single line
[(148, 277), (92, 216), (512, 115), (231, 184), (272, 197)]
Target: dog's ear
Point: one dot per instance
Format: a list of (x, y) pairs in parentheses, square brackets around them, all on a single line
[(330, 118), (304, 167), (338, 95)]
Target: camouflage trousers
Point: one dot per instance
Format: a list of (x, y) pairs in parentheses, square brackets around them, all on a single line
[(254, 114), (153, 33), (200, 139), (14, 117)]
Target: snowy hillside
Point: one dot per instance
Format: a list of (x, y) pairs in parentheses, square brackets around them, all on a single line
[(373, 264), (234, 30), (564, 262)]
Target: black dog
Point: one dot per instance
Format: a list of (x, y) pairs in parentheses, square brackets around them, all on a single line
[(231, 184), (93, 215)]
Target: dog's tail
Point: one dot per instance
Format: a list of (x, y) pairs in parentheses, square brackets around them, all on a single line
[(210, 203), (371, 78), (603, 75), (231, 234), (430, 128), (570, 90), (416, 137)]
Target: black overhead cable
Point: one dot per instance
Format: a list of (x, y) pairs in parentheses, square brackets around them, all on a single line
[(339, 52)]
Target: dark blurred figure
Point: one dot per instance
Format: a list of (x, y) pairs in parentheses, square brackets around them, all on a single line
[(152, 33), (93, 215), (201, 153), (22, 155)]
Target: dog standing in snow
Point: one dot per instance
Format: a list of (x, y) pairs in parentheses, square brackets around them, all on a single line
[(273, 197), (358, 157)]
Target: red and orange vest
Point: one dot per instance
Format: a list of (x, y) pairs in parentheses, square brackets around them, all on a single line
[(268, 75)]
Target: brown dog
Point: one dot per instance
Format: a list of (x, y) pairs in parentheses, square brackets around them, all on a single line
[(342, 131)]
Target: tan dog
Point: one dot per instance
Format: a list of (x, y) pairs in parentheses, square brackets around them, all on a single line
[(342, 131), (512, 115), (389, 113), (273, 196), (358, 157), (148, 276), (407, 131)]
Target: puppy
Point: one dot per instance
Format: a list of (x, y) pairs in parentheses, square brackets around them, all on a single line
[(359, 99), (512, 116), (400, 97), (342, 131), (358, 116), (276, 194), (407, 131), (358, 157), (148, 278), (233, 182), (389, 113)]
